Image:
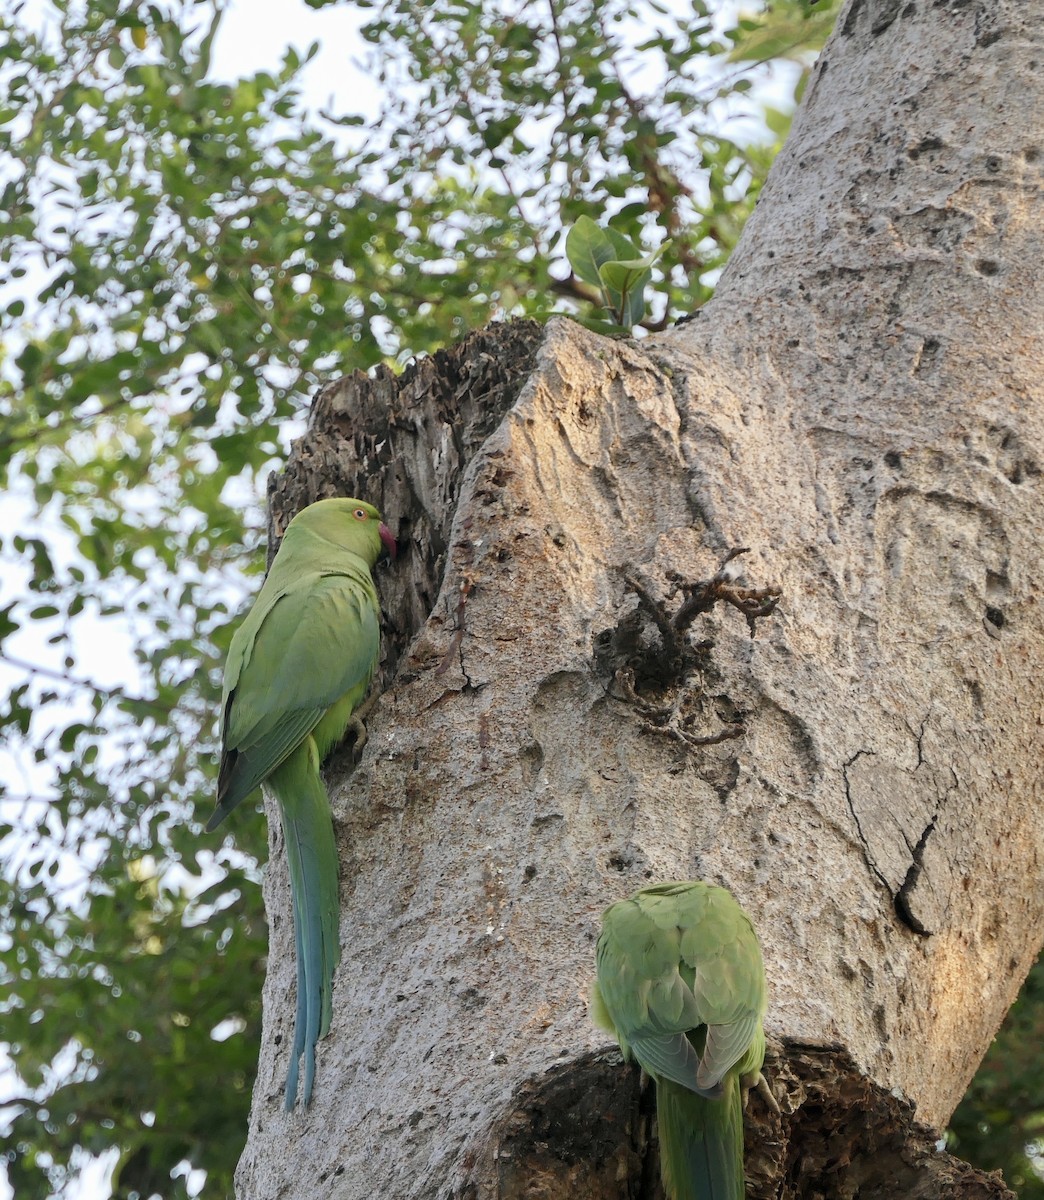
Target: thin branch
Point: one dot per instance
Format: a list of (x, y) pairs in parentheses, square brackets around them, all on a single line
[(576, 289), (701, 597), (116, 693)]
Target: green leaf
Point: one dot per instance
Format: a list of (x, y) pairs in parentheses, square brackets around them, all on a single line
[(589, 246), (624, 284), (8, 624)]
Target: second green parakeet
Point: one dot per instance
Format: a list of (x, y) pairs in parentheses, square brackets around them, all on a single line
[(298, 666), (681, 986)]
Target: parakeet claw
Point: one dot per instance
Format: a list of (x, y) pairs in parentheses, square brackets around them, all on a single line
[(764, 1091), (357, 726)]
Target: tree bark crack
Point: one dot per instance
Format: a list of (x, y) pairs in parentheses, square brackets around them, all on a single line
[(903, 898), (902, 895), (867, 854)]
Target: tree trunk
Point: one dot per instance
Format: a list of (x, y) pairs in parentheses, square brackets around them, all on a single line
[(859, 766)]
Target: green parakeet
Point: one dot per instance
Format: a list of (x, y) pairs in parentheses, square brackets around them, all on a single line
[(681, 987), (299, 664)]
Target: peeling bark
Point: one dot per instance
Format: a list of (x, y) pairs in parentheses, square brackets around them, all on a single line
[(860, 406), (587, 1131)]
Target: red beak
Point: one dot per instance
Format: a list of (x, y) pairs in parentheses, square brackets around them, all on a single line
[(388, 540)]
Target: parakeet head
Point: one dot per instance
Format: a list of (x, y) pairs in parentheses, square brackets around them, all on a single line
[(353, 524)]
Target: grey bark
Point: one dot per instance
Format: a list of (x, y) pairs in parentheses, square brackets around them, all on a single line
[(860, 406)]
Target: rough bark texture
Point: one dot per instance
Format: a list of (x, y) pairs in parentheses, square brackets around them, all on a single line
[(860, 407)]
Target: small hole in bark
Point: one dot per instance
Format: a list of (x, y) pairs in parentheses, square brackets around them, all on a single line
[(923, 146)]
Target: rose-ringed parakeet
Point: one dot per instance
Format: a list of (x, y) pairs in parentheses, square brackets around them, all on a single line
[(681, 987), (298, 666)]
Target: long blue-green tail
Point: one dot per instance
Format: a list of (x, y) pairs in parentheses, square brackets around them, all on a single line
[(311, 854), (701, 1142)]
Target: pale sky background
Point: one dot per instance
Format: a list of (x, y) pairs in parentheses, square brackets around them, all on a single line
[(254, 35)]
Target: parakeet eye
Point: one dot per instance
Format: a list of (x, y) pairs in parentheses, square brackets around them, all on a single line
[(360, 514)]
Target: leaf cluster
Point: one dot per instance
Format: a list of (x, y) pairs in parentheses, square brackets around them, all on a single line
[(1000, 1122), (608, 261), (125, 1012), (551, 113)]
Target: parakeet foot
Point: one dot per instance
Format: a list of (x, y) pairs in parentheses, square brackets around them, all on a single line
[(358, 727), (760, 1086)]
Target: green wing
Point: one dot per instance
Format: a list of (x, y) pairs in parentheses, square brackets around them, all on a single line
[(313, 641), (721, 962), (674, 957), (680, 984)]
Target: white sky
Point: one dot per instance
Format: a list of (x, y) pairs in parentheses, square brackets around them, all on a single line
[(255, 33)]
